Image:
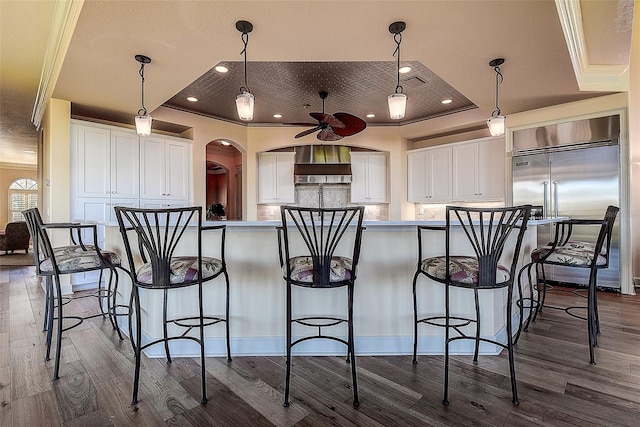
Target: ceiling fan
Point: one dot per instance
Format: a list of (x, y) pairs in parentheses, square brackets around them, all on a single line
[(334, 127)]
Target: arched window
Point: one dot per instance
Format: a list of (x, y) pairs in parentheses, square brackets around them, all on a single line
[(23, 194)]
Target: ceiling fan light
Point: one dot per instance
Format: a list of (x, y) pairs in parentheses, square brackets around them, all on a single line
[(496, 125), (244, 104), (143, 124), (397, 105)]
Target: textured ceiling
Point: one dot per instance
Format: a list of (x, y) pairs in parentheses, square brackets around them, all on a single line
[(291, 89)]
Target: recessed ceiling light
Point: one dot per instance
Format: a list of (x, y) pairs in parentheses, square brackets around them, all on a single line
[(192, 99), (277, 116), (225, 143), (447, 101), (370, 115), (221, 69), (404, 70)]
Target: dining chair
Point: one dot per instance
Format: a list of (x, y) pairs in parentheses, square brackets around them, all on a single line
[(485, 233), (152, 239), (319, 249), (78, 257), (592, 251)]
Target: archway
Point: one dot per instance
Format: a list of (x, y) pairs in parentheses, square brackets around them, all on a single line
[(224, 180)]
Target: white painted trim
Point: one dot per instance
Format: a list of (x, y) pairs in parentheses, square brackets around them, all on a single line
[(590, 77), (63, 23)]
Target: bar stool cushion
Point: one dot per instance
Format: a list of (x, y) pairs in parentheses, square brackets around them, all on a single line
[(183, 269), (74, 258), (573, 253), (462, 269), (302, 269)]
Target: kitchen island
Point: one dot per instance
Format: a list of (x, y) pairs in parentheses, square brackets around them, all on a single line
[(383, 313)]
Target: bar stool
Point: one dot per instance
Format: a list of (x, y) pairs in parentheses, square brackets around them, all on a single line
[(491, 266), (315, 253), (570, 252), (79, 257), (157, 233)]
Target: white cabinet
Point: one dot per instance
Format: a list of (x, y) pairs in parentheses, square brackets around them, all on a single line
[(369, 177), (429, 174), (105, 162), (165, 169), (478, 170), (275, 178)]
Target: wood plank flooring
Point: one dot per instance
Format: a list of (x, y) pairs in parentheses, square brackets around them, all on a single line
[(556, 384)]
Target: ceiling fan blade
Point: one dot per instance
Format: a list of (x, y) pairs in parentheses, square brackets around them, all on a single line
[(307, 132), (352, 124), (328, 119), (327, 134)]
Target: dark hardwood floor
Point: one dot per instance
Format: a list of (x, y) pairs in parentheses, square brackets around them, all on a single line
[(556, 384)]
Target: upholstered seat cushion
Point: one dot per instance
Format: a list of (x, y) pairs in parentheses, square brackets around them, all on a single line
[(573, 253), (462, 269), (74, 258), (302, 269), (183, 269)]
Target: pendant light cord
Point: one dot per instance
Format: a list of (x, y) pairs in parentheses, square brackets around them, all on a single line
[(245, 40), (499, 80), (143, 109), (397, 37)]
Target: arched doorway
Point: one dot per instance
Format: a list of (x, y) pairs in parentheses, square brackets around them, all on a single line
[(224, 181)]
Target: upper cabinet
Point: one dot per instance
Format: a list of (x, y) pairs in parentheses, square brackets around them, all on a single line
[(106, 162), (429, 174), (165, 168), (275, 178), (369, 177), (478, 170)]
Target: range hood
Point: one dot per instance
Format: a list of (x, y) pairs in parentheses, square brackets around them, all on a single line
[(322, 164)]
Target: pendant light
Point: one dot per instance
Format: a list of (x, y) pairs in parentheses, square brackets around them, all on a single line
[(398, 100), (496, 121), (245, 101), (143, 119)]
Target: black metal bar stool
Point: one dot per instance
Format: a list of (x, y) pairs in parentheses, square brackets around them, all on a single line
[(158, 233), (570, 252), (52, 262), (315, 252), (491, 265)]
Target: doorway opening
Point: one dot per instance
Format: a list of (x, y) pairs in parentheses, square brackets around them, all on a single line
[(224, 181)]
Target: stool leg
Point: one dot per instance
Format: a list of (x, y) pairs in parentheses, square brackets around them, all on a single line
[(203, 372), (226, 277), (445, 399), (351, 346), (415, 318), (512, 368), (56, 368), (288, 369), (164, 326), (49, 309), (100, 296), (47, 293), (477, 344), (591, 319), (137, 350)]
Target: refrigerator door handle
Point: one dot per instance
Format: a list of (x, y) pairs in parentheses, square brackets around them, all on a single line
[(555, 199), (545, 207)]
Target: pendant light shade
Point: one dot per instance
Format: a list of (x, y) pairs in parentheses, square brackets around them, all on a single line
[(496, 122), (398, 100), (143, 119), (245, 101)]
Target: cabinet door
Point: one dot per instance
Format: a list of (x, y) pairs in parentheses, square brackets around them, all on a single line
[(125, 165), (92, 161), (465, 172), (178, 170), (417, 170), (275, 178), (285, 186), (359, 178), (152, 168), (439, 175), (369, 178), (491, 158)]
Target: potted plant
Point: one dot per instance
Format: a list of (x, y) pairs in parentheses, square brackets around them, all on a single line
[(216, 211)]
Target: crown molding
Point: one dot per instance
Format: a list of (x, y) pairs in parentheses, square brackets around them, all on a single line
[(607, 78), (63, 23)]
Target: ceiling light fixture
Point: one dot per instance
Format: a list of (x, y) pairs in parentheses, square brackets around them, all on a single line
[(371, 115), (245, 101), (192, 99), (221, 68), (496, 121), (277, 116), (405, 69), (398, 100), (446, 101), (225, 142), (143, 119)]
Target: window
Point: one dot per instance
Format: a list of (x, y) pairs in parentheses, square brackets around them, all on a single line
[(23, 194)]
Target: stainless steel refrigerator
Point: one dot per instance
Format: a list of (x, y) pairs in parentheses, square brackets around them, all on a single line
[(571, 170)]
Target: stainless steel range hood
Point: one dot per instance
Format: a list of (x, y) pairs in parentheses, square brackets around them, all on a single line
[(322, 164)]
